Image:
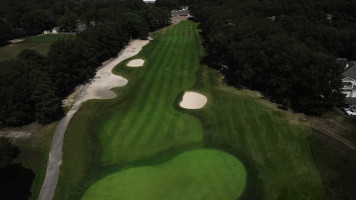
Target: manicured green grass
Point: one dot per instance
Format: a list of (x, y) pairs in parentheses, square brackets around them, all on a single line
[(276, 153), (38, 43), (34, 153), (196, 174), (143, 129)]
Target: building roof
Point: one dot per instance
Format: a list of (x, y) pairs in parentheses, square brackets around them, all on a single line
[(180, 12), (350, 71), (342, 62)]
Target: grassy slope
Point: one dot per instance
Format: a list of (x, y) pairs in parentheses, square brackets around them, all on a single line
[(34, 154), (336, 162), (275, 152), (37, 43), (136, 134)]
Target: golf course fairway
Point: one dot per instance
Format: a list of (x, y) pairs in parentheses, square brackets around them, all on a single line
[(143, 145), (196, 174)]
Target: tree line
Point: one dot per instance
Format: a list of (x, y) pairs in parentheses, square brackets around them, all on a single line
[(33, 85), (19, 18), (285, 49)]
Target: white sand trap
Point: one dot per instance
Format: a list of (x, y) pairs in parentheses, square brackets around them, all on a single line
[(136, 63), (193, 100)]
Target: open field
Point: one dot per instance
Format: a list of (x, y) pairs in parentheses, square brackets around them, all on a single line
[(38, 43), (143, 131)]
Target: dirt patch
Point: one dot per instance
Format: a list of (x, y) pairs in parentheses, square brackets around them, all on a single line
[(136, 63), (18, 134), (16, 41), (14, 134), (193, 100), (68, 102)]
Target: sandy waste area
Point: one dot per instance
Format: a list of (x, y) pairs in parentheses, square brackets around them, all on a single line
[(99, 87), (136, 63), (193, 100)]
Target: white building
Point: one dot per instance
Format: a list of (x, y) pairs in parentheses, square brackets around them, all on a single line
[(349, 80)]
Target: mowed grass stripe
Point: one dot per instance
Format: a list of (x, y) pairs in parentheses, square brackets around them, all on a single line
[(278, 150), (155, 113), (178, 66), (130, 117), (159, 118), (151, 106), (154, 71), (122, 127)]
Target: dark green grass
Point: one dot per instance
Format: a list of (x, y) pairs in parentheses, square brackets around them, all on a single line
[(144, 126), (275, 152), (40, 44), (336, 162), (204, 174)]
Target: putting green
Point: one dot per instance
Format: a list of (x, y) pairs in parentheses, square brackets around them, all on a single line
[(197, 174)]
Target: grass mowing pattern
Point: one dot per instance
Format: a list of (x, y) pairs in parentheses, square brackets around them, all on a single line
[(204, 174), (141, 129), (38, 43), (151, 124), (277, 153)]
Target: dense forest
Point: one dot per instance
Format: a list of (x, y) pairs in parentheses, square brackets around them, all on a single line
[(32, 85), (285, 49)]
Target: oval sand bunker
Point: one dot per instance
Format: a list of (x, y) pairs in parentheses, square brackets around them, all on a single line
[(193, 100), (136, 63)]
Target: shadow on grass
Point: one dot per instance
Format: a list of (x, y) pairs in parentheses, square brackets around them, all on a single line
[(16, 182)]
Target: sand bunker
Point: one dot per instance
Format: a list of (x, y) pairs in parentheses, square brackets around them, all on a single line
[(193, 100), (100, 86), (136, 63)]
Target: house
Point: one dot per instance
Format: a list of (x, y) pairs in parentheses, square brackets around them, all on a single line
[(55, 30), (179, 13), (349, 78)]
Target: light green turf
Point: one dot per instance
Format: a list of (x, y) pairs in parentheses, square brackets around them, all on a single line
[(197, 174), (144, 127), (38, 43)]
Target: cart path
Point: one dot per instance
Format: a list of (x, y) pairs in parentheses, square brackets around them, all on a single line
[(86, 93)]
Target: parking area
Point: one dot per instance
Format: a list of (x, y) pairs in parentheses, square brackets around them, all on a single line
[(348, 108)]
